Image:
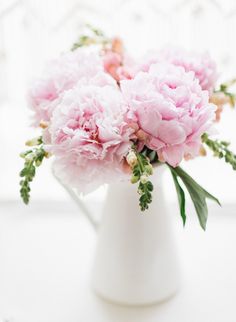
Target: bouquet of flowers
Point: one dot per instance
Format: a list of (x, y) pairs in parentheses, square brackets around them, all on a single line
[(106, 117)]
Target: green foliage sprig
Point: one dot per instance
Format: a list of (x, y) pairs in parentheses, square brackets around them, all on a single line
[(220, 150), (141, 170), (96, 37), (33, 159)]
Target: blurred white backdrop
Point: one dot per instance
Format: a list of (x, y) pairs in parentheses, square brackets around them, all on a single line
[(45, 258), (32, 31)]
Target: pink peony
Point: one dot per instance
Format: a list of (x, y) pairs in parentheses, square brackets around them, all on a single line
[(60, 75), (202, 65), (118, 66), (127, 70), (112, 62), (169, 111), (89, 136)]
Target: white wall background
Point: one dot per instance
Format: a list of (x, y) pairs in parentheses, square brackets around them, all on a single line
[(32, 31)]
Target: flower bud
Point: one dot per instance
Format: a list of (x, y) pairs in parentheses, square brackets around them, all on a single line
[(22, 155), (202, 151), (219, 99), (134, 179), (144, 178), (149, 169), (43, 124), (33, 142), (48, 154), (131, 159), (38, 163), (29, 157)]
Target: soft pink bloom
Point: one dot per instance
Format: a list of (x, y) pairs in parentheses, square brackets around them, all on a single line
[(117, 63), (128, 68), (118, 66), (112, 62), (89, 136), (202, 65), (60, 75), (170, 109)]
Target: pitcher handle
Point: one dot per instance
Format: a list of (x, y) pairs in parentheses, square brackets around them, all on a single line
[(78, 202)]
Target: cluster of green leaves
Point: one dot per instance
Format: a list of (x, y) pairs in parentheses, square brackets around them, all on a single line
[(141, 171), (96, 36), (196, 192), (150, 154), (220, 150), (33, 158), (145, 190), (225, 89)]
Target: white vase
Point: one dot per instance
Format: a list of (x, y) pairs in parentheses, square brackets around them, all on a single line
[(135, 261)]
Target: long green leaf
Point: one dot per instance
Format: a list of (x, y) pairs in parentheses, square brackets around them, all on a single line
[(197, 194), (181, 196)]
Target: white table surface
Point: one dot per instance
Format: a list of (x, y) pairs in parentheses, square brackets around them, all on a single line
[(46, 252)]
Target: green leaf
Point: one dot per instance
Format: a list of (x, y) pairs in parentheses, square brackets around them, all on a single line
[(197, 194), (150, 186), (181, 196), (152, 156)]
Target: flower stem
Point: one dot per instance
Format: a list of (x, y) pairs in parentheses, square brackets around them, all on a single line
[(220, 150)]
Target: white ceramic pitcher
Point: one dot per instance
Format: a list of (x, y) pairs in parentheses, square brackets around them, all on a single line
[(135, 261)]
